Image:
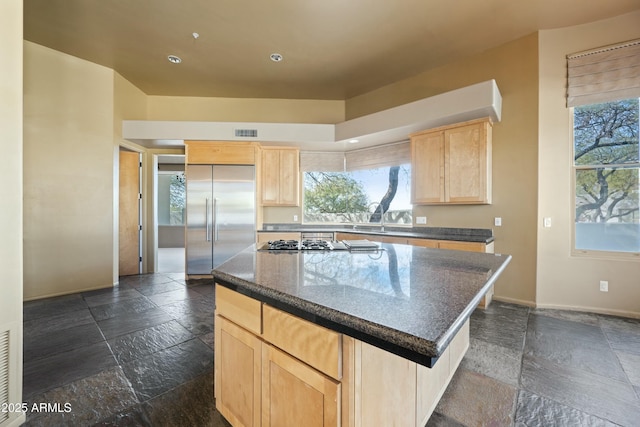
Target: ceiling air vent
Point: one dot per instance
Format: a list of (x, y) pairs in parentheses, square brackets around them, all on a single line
[(246, 133)]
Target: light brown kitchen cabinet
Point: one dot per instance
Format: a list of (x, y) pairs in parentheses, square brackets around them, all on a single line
[(287, 371), (280, 176), (452, 164), (294, 394), (238, 373), (220, 153)]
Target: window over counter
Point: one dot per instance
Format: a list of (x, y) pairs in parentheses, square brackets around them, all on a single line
[(603, 89), (357, 186)]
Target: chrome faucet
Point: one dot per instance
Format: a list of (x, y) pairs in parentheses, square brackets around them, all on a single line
[(378, 205)]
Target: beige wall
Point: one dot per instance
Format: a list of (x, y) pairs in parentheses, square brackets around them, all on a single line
[(565, 280), (245, 110), (68, 173), (11, 266)]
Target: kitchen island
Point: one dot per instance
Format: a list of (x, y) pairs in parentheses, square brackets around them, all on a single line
[(343, 337)]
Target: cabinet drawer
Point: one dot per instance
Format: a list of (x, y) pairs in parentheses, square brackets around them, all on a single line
[(319, 347), (240, 309)]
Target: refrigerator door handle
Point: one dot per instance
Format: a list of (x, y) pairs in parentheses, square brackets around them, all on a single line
[(207, 232), (215, 219)]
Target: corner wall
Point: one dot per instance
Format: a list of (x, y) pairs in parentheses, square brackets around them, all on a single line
[(11, 266), (68, 173), (565, 280)]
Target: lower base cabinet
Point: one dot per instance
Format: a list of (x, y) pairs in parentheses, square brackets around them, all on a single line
[(294, 394), (257, 383)]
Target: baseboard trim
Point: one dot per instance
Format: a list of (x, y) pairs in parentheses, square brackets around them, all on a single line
[(596, 310), (514, 301)]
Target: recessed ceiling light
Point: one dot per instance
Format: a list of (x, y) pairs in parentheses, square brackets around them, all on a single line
[(354, 141), (174, 59), (276, 57)]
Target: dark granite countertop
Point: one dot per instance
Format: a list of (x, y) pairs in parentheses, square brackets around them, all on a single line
[(483, 235), (407, 300)]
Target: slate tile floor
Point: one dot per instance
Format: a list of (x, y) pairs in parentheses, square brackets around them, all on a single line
[(141, 354)]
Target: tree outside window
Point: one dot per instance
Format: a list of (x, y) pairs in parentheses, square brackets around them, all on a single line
[(607, 176), (358, 197)]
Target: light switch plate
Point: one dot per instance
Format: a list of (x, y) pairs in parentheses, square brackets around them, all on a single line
[(546, 222), (497, 221), (421, 220)]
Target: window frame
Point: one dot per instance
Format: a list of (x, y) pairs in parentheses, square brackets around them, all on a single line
[(592, 253)]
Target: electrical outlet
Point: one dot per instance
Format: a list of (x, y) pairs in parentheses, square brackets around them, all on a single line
[(295, 218), (546, 222), (421, 220), (604, 286), (497, 221)]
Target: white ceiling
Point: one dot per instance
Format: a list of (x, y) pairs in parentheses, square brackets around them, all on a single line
[(333, 49)]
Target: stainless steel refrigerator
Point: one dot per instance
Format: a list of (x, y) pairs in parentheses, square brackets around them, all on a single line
[(221, 214)]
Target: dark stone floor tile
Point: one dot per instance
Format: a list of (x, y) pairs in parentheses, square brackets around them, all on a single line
[(181, 294), (497, 362), (623, 334), (113, 295), (131, 417), (145, 279), (190, 404), (147, 341), (439, 420), (473, 399), (162, 371), (158, 288), (190, 306), (54, 342), (89, 400), (594, 394), (572, 344), (501, 324), (197, 323), (44, 325), (533, 411), (47, 373), (177, 277), (52, 306), (574, 316), (208, 339), (122, 325), (631, 366), (120, 308), (204, 289)]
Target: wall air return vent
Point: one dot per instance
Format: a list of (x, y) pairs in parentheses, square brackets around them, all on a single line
[(246, 133), (4, 374)]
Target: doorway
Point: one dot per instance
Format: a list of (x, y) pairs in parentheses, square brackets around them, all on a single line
[(129, 213), (171, 213)]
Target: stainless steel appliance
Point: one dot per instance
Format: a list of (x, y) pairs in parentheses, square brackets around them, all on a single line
[(303, 245), (221, 214)]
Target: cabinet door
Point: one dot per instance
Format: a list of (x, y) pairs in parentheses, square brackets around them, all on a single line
[(289, 177), (270, 176), (427, 169), (466, 166), (462, 246), (237, 373), (294, 394)]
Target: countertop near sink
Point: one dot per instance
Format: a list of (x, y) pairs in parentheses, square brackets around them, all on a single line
[(408, 300), (482, 235)]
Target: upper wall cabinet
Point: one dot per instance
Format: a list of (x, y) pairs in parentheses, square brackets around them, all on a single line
[(280, 175), (220, 153), (452, 164)]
